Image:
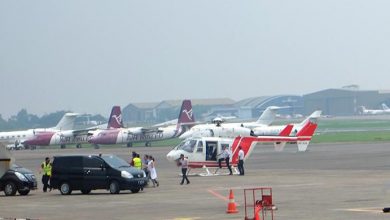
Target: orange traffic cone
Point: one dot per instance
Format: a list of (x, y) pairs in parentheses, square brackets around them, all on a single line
[(257, 212), (231, 205)]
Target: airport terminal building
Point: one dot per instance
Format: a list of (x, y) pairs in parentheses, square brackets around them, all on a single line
[(345, 101), (207, 109)]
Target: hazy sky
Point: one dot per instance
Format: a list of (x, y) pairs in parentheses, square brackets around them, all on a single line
[(86, 56)]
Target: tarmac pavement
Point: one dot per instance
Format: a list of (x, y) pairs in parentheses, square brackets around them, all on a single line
[(330, 181)]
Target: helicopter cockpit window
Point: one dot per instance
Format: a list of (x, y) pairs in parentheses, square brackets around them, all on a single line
[(187, 145), (199, 148)]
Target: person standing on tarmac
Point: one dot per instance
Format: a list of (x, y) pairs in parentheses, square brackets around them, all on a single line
[(137, 162), (152, 171), (241, 156), (46, 169), (183, 162), (225, 155), (133, 155)]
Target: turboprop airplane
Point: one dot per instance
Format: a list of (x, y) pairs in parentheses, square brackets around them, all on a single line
[(78, 137), (140, 134), (202, 151), (17, 138), (265, 119)]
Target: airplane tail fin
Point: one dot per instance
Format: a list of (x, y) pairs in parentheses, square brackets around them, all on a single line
[(186, 116), (385, 107), (313, 118), (115, 120), (279, 146), (305, 135), (268, 116), (286, 130), (66, 122)]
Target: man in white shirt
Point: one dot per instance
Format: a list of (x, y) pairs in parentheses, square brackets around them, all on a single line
[(241, 156), (183, 162), (225, 155)]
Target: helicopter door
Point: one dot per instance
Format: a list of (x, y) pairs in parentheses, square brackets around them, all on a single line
[(211, 150)]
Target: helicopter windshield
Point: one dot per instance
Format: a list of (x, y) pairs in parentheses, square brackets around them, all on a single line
[(187, 145)]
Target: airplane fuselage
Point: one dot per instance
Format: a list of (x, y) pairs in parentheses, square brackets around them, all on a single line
[(18, 137), (124, 136), (56, 138)]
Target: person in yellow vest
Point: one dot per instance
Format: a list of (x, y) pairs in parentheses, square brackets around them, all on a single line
[(46, 169), (137, 162)]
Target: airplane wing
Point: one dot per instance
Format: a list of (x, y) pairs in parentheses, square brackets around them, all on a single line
[(171, 122)]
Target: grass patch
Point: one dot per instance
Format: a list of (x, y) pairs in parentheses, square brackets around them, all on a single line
[(357, 136)]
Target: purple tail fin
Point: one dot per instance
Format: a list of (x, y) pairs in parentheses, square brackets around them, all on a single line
[(115, 120), (186, 115)]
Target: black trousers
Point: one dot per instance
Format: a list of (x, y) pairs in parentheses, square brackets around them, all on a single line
[(184, 172), (227, 163), (45, 182), (241, 167)]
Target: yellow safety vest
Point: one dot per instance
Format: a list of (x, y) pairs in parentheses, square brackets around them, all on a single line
[(46, 169), (137, 163)]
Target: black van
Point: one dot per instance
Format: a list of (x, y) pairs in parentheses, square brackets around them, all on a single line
[(87, 173), (17, 178)]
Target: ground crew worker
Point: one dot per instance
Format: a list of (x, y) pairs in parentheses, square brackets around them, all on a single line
[(137, 162), (46, 169), (133, 154), (241, 156)]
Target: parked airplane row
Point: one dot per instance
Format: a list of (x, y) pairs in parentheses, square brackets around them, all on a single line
[(115, 133)]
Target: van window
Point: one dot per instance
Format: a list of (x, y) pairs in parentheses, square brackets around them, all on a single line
[(72, 161), (92, 162), (115, 161)]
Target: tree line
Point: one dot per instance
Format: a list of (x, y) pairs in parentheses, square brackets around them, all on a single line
[(25, 120)]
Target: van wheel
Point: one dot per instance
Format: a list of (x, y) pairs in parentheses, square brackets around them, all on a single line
[(114, 187), (85, 191), (65, 188), (10, 189), (23, 192), (135, 190)]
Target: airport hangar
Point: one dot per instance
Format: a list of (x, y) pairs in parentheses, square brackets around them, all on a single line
[(332, 102)]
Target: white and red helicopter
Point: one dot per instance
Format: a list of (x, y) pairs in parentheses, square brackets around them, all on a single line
[(202, 151)]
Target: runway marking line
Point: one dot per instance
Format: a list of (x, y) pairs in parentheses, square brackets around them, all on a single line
[(185, 218), (374, 210), (219, 196)]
